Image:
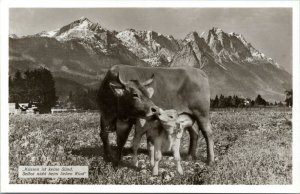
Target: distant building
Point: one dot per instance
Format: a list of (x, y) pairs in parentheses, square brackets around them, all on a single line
[(18, 108), (63, 110), (246, 102)]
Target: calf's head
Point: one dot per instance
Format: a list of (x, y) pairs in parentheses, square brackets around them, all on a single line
[(175, 123), (168, 120), (134, 98)]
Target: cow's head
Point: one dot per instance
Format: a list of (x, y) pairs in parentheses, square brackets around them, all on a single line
[(134, 98)]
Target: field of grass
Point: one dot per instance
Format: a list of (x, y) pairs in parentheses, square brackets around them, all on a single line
[(251, 147)]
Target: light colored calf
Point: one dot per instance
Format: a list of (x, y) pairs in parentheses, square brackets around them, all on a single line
[(163, 134)]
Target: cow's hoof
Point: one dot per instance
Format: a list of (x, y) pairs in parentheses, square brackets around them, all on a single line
[(115, 164), (108, 158), (191, 158)]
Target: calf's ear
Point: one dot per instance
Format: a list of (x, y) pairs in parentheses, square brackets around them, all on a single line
[(117, 89)]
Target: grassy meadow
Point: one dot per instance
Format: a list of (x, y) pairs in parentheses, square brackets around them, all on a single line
[(251, 147)]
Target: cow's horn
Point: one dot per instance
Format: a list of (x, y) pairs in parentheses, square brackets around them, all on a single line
[(149, 81), (120, 80)]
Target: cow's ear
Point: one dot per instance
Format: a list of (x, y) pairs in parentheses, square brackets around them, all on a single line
[(118, 89), (150, 91), (149, 81)]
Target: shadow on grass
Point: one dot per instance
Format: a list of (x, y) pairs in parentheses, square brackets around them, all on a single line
[(88, 151), (98, 151)]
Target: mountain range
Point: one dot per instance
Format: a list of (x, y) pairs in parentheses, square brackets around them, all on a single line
[(79, 54)]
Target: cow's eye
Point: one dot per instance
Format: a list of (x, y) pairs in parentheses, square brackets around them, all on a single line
[(171, 117), (135, 95)]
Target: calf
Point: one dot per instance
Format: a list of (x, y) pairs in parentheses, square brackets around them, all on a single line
[(163, 134)]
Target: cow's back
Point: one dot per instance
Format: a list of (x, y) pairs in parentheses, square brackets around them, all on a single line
[(178, 88)]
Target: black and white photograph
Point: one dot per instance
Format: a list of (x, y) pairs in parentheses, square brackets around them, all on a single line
[(150, 95)]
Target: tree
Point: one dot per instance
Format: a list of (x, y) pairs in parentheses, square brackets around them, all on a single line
[(41, 88), (34, 86), (228, 101), (289, 97), (260, 101), (17, 88), (222, 102), (234, 101), (85, 99), (215, 102)]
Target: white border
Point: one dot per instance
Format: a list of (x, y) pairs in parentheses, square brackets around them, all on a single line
[(6, 187)]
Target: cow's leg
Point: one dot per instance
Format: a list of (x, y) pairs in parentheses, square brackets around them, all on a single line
[(136, 144), (176, 154), (193, 143), (105, 128), (123, 130), (157, 156), (205, 127)]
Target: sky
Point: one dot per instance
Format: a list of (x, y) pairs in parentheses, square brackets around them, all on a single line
[(268, 29)]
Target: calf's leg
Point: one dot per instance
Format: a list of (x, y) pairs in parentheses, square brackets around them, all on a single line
[(157, 156), (151, 151), (176, 154)]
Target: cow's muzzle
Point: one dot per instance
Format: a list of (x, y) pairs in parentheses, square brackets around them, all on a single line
[(154, 110)]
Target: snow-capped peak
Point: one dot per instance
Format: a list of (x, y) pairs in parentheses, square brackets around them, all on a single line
[(256, 55), (49, 34), (83, 18), (77, 29), (240, 37), (202, 34), (233, 47), (81, 28)]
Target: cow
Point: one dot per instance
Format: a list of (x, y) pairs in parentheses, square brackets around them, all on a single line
[(121, 103), (184, 89), (164, 133)]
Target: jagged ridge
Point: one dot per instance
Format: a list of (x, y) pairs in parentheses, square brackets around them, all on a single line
[(87, 50)]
